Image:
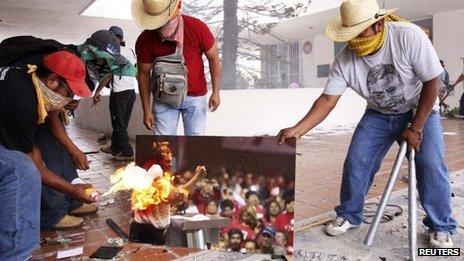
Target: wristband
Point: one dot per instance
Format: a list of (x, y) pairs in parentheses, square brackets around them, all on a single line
[(417, 132)]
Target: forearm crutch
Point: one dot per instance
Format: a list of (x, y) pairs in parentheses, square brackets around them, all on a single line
[(412, 211)]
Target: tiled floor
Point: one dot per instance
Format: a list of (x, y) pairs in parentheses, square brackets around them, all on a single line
[(319, 163), (95, 232)]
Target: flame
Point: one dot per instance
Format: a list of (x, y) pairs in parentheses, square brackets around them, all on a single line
[(147, 187)]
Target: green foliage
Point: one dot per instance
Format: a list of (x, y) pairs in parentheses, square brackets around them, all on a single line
[(453, 113)]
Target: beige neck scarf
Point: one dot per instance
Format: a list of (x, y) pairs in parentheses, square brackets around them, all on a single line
[(174, 31)]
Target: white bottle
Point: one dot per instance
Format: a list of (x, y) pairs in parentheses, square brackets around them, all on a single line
[(91, 192)]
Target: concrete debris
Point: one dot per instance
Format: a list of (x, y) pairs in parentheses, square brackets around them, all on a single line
[(315, 256), (61, 240), (116, 242), (391, 240)]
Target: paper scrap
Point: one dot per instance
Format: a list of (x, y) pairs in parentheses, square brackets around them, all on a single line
[(70, 252), (197, 217)]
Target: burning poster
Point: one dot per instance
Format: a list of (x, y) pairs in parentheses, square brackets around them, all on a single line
[(250, 182)]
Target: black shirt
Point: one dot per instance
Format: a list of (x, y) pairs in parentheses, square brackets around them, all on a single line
[(18, 109)]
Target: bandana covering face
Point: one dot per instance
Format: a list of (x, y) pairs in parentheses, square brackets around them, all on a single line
[(173, 31), (47, 100), (53, 100), (368, 45)]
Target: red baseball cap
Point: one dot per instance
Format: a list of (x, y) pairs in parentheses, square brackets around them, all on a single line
[(70, 67)]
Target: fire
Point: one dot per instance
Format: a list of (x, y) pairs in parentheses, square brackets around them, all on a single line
[(147, 187)]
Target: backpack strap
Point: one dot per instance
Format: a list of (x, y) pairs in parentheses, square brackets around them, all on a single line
[(179, 53)]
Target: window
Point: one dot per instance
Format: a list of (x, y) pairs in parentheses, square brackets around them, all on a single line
[(281, 65), (323, 70), (294, 63), (273, 64)]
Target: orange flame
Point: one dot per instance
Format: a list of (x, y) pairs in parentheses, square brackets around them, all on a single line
[(147, 187)]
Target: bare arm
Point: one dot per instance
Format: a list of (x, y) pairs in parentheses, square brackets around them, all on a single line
[(427, 100), (179, 193), (143, 77), (59, 132), (429, 94), (101, 85), (51, 180), (200, 173), (215, 70), (460, 79), (318, 112)]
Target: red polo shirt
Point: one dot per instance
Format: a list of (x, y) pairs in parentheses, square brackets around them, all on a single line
[(198, 39)]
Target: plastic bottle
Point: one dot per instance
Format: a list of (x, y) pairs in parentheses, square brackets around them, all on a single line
[(91, 192)]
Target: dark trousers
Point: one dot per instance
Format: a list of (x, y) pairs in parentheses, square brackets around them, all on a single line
[(121, 104), (461, 105), (54, 204)]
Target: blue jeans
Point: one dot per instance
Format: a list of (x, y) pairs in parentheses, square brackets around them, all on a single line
[(20, 185), (372, 139), (55, 205), (193, 112)]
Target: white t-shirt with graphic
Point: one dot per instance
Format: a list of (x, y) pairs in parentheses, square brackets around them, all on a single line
[(390, 80)]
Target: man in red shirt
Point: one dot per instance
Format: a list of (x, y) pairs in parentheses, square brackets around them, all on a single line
[(285, 220), (166, 29)]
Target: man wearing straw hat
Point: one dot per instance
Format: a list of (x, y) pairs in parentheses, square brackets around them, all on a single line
[(165, 31), (393, 65)]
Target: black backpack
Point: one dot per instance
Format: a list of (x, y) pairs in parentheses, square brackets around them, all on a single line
[(20, 50)]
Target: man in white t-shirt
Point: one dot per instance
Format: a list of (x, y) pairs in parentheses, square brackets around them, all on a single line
[(394, 66), (122, 100)]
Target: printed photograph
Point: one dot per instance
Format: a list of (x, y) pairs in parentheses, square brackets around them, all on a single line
[(237, 191), (255, 130)]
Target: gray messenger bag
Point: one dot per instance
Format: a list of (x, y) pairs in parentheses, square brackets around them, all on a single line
[(169, 79)]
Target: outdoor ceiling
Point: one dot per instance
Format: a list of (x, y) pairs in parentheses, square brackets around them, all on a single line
[(62, 19), (314, 24), (59, 19)]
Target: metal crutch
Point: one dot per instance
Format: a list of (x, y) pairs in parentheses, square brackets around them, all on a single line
[(412, 211)]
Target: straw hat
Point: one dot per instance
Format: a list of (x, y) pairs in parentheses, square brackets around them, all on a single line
[(152, 14), (356, 16)]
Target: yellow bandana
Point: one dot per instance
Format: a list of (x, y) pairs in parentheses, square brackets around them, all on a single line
[(41, 100), (370, 45)]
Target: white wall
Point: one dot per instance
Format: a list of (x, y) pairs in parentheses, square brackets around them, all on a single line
[(322, 53), (448, 40), (242, 112), (449, 43)]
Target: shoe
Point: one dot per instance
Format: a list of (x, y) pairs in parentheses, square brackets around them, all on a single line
[(68, 222), (103, 139), (107, 149), (440, 239), (339, 226), (121, 157), (85, 209)]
